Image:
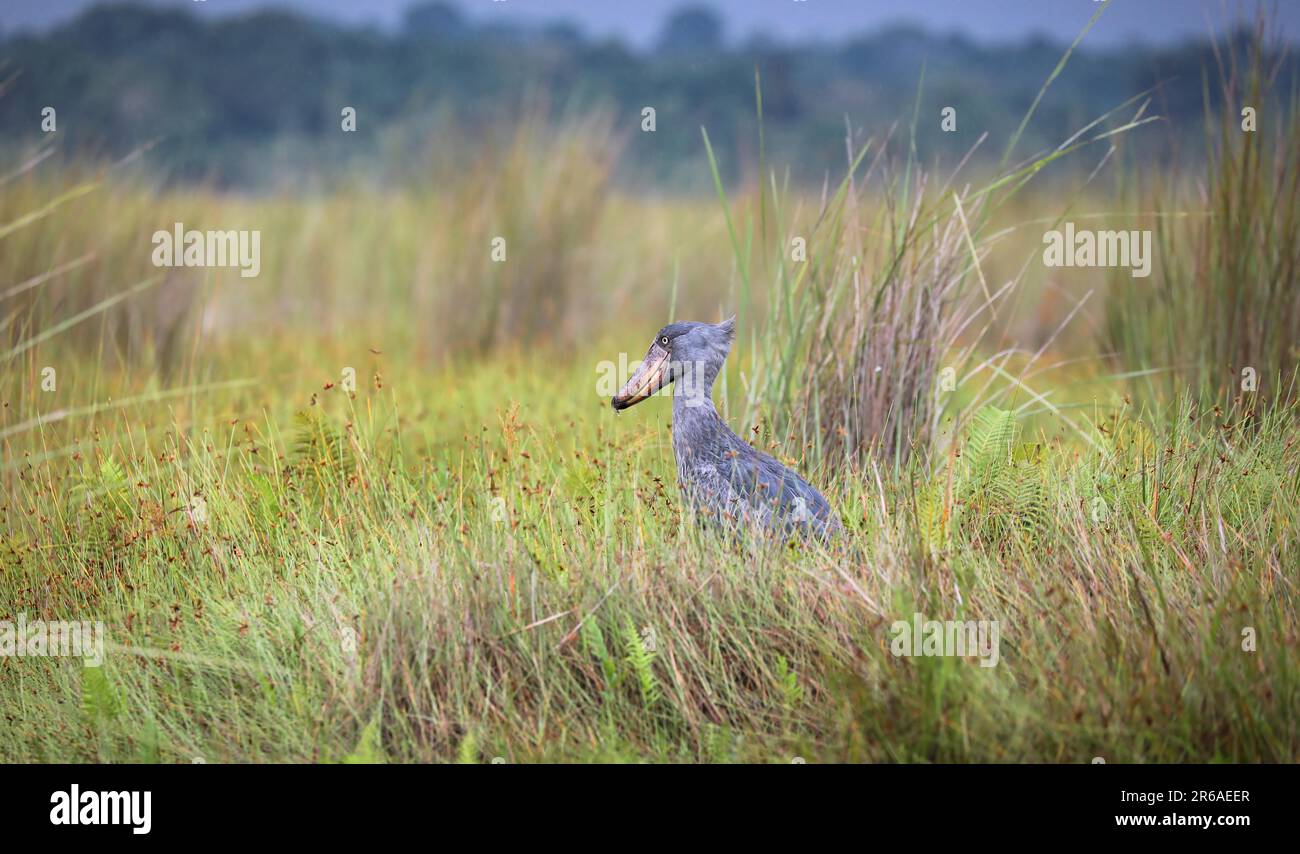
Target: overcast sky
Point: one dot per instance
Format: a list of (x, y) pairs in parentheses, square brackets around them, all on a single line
[(638, 21)]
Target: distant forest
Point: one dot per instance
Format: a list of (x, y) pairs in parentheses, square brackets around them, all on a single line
[(255, 100)]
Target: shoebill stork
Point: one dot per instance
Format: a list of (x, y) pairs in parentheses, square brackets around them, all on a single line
[(730, 484)]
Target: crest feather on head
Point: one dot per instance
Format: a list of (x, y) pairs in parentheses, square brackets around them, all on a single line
[(728, 327)]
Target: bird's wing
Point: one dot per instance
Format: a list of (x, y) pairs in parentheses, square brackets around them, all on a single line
[(766, 492)]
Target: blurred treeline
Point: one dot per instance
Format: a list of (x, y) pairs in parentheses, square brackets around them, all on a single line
[(254, 101)]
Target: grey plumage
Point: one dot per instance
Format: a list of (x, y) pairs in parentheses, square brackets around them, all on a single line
[(731, 485)]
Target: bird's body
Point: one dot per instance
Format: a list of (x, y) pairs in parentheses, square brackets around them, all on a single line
[(731, 484), (728, 483)]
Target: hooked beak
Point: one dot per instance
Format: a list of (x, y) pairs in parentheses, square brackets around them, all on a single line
[(648, 379)]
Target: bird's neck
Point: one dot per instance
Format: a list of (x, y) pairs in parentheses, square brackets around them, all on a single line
[(700, 436), (694, 407)]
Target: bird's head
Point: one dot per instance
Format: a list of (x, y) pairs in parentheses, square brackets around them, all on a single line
[(690, 354)]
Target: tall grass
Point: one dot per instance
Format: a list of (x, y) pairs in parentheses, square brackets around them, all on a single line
[(363, 591), (884, 288), (859, 330), (542, 196), (75, 242), (1224, 300), (70, 250)]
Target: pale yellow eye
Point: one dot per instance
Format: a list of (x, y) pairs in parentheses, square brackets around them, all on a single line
[(664, 340)]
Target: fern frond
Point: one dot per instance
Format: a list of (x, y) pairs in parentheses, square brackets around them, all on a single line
[(640, 659)]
